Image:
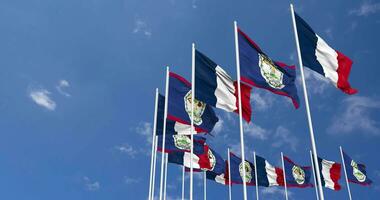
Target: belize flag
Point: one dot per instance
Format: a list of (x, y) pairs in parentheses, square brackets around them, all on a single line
[(356, 173), (258, 70), (175, 143), (267, 175), (219, 178), (216, 88), (321, 58), (297, 176), (217, 164), (237, 168), (172, 127), (330, 173), (179, 106)]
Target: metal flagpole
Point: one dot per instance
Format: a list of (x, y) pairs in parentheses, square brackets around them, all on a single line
[(153, 142), (229, 175), (183, 182), (154, 166), (192, 117), (166, 174), (240, 109), (345, 172), (283, 169), (314, 171), (314, 148), (256, 178), (204, 186), (164, 131)]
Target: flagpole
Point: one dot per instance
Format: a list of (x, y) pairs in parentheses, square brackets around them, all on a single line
[(154, 166), (166, 174), (204, 186), (153, 142), (229, 175), (183, 182), (192, 117), (164, 131), (345, 172), (240, 109), (313, 145), (256, 178), (315, 179), (283, 169)]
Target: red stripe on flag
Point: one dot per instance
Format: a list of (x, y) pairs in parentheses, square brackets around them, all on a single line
[(344, 68), (280, 176), (245, 100), (335, 175)]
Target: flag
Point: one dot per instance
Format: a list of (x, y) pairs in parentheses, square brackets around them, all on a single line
[(296, 175), (321, 58), (219, 178), (206, 160), (330, 173), (237, 167), (172, 127), (267, 175), (257, 69), (216, 88), (179, 106), (356, 173), (176, 143)]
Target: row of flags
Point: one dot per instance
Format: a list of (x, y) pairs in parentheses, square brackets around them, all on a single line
[(297, 176), (186, 115)]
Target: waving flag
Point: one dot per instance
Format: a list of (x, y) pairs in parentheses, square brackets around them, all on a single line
[(267, 175), (172, 127), (216, 88), (330, 173), (258, 70), (237, 168), (297, 176), (321, 58), (178, 143), (219, 178), (356, 173), (179, 105), (217, 164)]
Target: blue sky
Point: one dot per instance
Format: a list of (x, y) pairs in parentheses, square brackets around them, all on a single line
[(77, 88)]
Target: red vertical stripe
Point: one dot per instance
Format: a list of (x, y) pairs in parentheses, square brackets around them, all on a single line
[(344, 68), (335, 175), (280, 176), (245, 100)]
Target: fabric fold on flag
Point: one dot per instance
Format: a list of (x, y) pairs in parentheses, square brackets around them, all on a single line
[(356, 172), (214, 86), (321, 58), (179, 106), (268, 175), (257, 69), (296, 175), (330, 173), (237, 167)]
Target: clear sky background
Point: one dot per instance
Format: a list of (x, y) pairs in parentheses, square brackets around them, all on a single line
[(77, 81)]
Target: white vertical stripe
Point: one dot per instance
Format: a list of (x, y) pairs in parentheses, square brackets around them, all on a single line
[(328, 58), (326, 166), (225, 91), (183, 129), (271, 174), (187, 158)]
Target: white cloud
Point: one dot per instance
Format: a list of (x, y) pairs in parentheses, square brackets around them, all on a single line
[(127, 149), (142, 28), (316, 83), (262, 100), (256, 131), (129, 180), (366, 8), (91, 185), (218, 127), (62, 84), (145, 129), (194, 4), (355, 114), (329, 32), (275, 191), (41, 97), (283, 137)]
